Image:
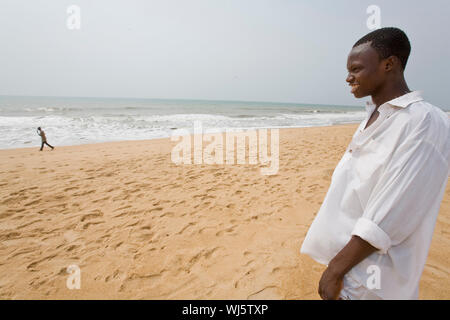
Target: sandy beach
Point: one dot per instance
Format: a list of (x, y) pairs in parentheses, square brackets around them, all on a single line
[(142, 227)]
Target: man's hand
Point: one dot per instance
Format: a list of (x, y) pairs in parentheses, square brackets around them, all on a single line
[(330, 285), (354, 252)]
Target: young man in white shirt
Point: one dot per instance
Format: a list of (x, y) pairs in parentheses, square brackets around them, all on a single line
[(374, 228)]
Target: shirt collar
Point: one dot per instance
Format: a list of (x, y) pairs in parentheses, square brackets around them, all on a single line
[(406, 99), (402, 101)]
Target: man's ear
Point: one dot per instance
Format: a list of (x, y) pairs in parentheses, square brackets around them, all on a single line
[(391, 63)]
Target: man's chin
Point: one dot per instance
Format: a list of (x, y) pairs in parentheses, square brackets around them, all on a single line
[(359, 95)]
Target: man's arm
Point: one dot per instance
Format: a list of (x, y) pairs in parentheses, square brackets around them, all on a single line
[(354, 252)]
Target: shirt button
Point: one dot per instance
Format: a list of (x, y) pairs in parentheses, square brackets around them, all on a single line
[(350, 150)]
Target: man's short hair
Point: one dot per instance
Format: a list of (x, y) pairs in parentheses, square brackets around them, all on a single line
[(388, 42)]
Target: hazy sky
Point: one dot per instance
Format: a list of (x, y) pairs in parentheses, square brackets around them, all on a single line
[(255, 50)]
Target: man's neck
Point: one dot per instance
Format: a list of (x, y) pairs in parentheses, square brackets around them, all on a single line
[(391, 91)]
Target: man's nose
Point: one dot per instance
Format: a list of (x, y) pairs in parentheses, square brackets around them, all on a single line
[(350, 78)]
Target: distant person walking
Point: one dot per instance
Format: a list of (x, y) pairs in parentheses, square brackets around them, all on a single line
[(41, 133)]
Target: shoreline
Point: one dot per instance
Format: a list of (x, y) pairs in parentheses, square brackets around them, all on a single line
[(165, 138)]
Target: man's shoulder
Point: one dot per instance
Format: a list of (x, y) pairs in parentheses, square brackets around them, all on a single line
[(425, 114), (430, 123)]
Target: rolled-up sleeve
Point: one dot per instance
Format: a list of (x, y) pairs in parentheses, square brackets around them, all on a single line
[(412, 183), (372, 233)]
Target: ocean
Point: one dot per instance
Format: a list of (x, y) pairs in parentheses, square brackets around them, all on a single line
[(74, 121)]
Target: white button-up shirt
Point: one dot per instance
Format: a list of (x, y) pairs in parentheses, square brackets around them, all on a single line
[(387, 189)]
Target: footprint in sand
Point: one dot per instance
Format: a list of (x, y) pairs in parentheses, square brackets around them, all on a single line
[(94, 214), (228, 231), (33, 202), (190, 224), (267, 293)]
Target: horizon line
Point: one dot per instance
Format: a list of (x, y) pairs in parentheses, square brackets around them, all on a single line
[(180, 99)]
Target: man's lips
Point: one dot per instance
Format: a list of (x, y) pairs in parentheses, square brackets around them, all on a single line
[(354, 86)]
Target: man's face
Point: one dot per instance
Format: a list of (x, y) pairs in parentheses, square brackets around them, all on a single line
[(365, 71)]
